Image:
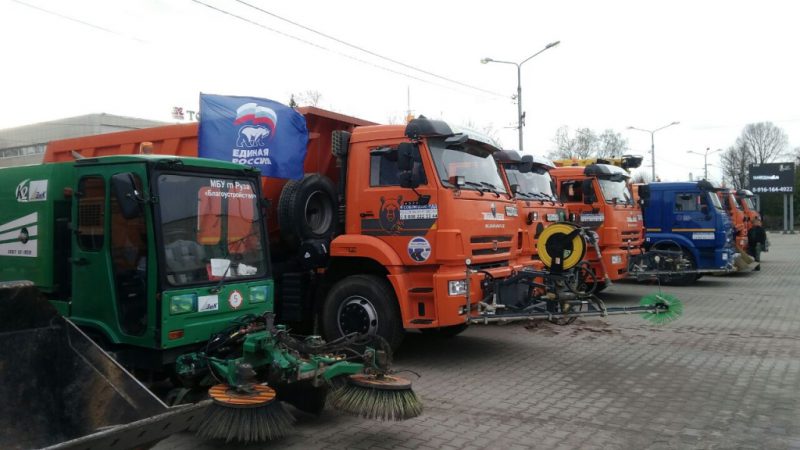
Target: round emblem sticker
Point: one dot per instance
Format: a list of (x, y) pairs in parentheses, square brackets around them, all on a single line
[(235, 299), (419, 249)]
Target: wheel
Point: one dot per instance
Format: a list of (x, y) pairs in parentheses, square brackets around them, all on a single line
[(307, 209), (684, 279), (445, 332), (363, 304)]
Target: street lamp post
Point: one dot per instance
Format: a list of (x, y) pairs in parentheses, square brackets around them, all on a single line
[(653, 144), (705, 158), (520, 114)]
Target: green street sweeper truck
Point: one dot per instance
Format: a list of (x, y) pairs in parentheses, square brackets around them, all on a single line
[(163, 262)]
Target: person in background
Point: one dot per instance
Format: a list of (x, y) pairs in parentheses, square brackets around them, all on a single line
[(757, 239)]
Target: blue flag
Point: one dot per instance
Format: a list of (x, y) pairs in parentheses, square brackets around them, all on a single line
[(254, 132)]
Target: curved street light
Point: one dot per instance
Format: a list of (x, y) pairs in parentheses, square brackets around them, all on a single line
[(705, 159), (520, 114), (652, 143)]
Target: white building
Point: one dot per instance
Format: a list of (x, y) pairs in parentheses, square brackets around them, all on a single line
[(25, 145)]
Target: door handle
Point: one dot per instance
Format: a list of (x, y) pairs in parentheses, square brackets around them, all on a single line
[(79, 261), (367, 214)]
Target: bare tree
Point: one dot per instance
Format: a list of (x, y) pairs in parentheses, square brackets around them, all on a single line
[(735, 162), (611, 144), (764, 141), (308, 98), (487, 129), (581, 145), (585, 143)]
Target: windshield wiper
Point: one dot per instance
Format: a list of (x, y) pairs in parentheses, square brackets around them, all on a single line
[(526, 194), (492, 188), (542, 197), (477, 186)]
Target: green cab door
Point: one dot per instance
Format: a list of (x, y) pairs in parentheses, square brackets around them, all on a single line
[(112, 248)]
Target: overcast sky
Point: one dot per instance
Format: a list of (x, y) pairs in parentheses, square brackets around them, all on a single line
[(713, 66)]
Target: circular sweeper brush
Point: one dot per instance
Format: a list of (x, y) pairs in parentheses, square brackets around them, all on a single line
[(665, 308), (251, 414), (377, 397)]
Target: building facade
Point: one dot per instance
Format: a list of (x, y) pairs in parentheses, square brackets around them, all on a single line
[(26, 145)]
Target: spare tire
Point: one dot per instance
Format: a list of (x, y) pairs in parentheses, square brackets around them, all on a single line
[(307, 209)]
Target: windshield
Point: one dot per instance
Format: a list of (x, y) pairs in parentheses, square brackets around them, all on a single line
[(732, 199), (615, 191), (210, 228), (750, 203), (470, 160), (535, 184), (715, 200)]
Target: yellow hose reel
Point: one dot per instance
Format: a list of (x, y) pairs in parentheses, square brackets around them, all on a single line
[(561, 242)]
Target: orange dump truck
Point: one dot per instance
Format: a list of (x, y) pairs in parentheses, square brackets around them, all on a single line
[(597, 197), (393, 227), (529, 180)]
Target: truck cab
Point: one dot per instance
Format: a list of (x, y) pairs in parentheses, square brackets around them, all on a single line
[(597, 197), (150, 255), (750, 206), (424, 203), (688, 217), (528, 178), (737, 215)]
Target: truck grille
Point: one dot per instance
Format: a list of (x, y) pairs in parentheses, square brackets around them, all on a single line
[(490, 245), (491, 265), (631, 236)]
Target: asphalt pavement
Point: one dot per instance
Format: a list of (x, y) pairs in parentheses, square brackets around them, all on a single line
[(725, 375)]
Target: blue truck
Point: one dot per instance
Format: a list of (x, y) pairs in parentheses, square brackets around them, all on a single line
[(688, 220)]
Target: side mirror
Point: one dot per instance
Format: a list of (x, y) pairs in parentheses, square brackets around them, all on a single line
[(407, 179), (129, 198), (405, 156), (406, 153), (514, 189), (588, 191), (704, 209)]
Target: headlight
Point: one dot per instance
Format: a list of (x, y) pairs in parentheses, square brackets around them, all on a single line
[(616, 259), (511, 211), (258, 294), (182, 304), (457, 287)]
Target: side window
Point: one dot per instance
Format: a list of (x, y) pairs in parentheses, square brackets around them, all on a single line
[(383, 169), (571, 191), (91, 212), (687, 202)]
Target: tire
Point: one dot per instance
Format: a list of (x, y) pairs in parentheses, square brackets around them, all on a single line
[(445, 332), (364, 304), (307, 209)]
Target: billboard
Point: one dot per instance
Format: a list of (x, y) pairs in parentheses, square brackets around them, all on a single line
[(772, 178)]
